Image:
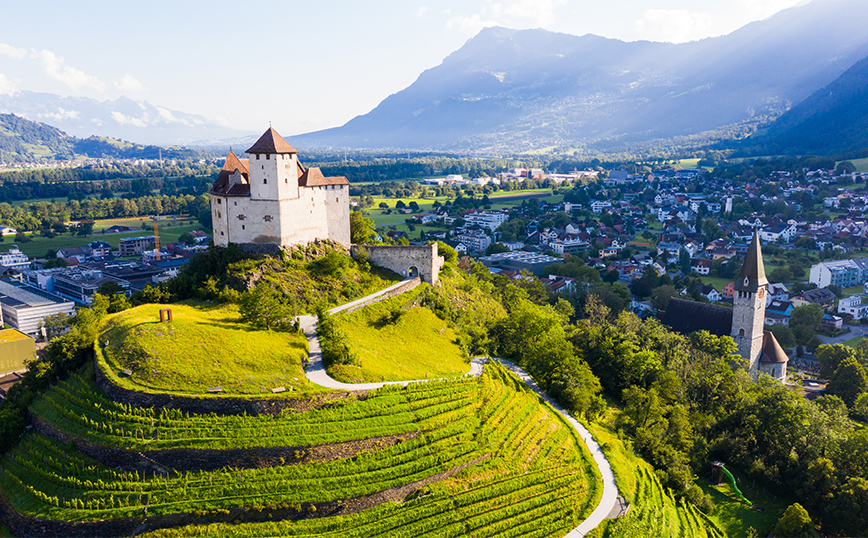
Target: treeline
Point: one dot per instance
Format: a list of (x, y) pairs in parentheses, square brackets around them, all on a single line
[(45, 215)]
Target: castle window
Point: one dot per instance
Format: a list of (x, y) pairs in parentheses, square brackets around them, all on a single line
[(286, 180), (741, 332), (221, 233), (242, 227), (267, 157), (267, 218), (242, 217), (336, 198), (257, 156), (219, 201), (218, 214), (265, 181), (236, 203)]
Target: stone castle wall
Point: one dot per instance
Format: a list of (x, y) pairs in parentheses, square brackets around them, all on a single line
[(405, 260)]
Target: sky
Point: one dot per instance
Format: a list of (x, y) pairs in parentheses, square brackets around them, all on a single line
[(303, 66)]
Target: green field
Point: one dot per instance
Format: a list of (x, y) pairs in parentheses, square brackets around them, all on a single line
[(202, 347), (717, 282), (419, 345), (499, 461), (734, 516), (860, 164), (170, 231)]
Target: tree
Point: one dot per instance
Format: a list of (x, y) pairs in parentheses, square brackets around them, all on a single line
[(263, 306), (383, 205), (495, 248), (848, 382), (187, 238), (795, 523), (784, 335), (781, 274), (109, 288), (661, 296), (361, 228)]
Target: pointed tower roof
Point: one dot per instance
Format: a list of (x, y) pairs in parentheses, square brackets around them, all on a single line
[(772, 350), (234, 163), (271, 142), (753, 272)]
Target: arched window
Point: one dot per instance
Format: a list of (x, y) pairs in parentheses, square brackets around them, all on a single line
[(265, 181), (741, 332)]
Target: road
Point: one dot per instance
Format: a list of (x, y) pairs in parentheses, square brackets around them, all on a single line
[(317, 374)]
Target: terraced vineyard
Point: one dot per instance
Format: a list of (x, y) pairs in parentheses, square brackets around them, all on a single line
[(476, 456), (656, 513)]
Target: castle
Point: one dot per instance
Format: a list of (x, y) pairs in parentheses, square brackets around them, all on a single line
[(744, 322), (271, 199)]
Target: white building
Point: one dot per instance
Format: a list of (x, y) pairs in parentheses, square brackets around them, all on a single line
[(24, 307), (14, 258), (841, 273), (476, 242), (855, 305), (272, 198), (488, 219)]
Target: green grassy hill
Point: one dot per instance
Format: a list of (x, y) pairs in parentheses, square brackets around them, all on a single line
[(397, 340), (204, 346), (482, 456)]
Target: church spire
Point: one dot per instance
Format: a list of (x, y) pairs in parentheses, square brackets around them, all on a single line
[(753, 272)]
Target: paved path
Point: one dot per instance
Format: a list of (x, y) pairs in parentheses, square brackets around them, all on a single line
[(609, 500), (317, 374)]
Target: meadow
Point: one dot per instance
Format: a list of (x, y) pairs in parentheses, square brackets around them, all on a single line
[(397, 340), (204, 346)]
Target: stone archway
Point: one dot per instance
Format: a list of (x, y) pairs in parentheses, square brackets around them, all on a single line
[(413, 272)]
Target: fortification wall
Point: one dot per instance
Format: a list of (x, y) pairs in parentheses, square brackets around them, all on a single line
[(407, 261)]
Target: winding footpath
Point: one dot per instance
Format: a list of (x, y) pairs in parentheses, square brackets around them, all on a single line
[(316, 373)]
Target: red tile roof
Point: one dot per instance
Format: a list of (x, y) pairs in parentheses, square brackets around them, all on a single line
[(271, 142), (313, 178)]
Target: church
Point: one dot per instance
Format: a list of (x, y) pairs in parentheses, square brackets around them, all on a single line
[(272, 199), (743, 322)]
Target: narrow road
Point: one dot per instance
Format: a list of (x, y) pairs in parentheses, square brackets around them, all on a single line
[(317, 374)]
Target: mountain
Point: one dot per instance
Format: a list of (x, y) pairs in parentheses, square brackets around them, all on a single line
[(521, 90), (25, 140), (122, 118), (832, 120)]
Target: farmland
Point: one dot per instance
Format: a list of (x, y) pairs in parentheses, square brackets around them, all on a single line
[(482, 456)]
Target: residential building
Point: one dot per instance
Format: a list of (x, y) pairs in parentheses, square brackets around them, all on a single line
[(841, 273), (134, 246), (474, 242), (821, 296), (78, 284), (488, 219), (14, 258), (855, 305)]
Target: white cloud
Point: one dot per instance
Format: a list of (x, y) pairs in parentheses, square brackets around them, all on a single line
[(12, 52), (7, 87), (53, 67), (61, 114), (422, 11), (509, 13), (129, 84), (129, 120), (469, 25), (672, 25)]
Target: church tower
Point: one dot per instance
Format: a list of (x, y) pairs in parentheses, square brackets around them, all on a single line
[(749, 306)]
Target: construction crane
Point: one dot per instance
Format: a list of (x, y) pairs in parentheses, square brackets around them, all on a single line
[(155, 218)]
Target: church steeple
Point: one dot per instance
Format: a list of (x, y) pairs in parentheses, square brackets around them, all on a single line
[(753, 273)]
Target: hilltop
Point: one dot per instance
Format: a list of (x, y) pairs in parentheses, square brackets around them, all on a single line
[(510, 90), (25, 140)]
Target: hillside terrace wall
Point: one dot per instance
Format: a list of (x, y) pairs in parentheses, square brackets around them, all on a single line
[(220, 405), (401, 259), (23, 525), (400, 288), (192, 459)]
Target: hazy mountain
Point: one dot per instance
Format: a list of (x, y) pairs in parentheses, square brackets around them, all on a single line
[(832, 120), (508, 89), (122, 118), (25, 140)]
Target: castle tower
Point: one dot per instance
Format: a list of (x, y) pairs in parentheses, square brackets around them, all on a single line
[(273, 168), (749, 306)]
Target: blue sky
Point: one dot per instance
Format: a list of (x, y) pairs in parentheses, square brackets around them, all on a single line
[(303, 66)]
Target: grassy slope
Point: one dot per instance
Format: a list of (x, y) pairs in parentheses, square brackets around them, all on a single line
[(734, 516), (418, 346), (203, 347), (653, 512)]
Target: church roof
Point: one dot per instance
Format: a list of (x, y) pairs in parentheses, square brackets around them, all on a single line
[(236, 168), (313, 177), (772, 350), (753, 272), (271, 142), (689, 316)]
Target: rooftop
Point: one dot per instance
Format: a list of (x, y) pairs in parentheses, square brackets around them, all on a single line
[(16, 294)]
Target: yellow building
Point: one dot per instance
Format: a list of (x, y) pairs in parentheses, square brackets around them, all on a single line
[(15, 349)]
